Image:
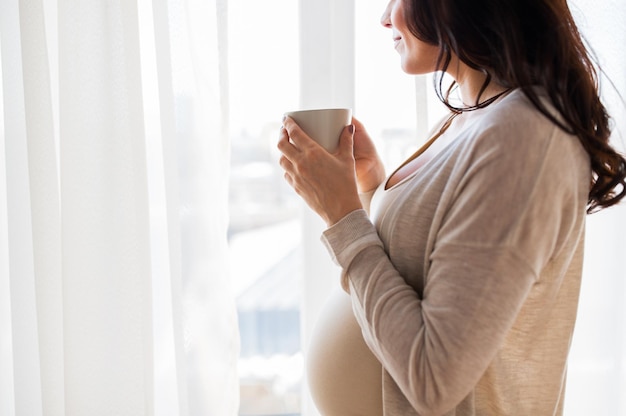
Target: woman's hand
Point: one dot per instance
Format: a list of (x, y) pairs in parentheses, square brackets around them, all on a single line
[(370, 172), (326, 181)]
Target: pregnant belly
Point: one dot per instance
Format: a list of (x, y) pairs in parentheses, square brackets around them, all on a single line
[(345, 379)]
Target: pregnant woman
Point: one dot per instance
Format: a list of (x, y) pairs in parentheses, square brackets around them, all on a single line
[(461, 269)]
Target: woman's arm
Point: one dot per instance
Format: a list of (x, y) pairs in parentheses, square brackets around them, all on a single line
[(509, 212)]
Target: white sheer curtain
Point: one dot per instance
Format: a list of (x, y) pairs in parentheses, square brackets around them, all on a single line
[(114, 294)]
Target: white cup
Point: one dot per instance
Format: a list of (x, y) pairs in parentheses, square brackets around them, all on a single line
[(323, 125)]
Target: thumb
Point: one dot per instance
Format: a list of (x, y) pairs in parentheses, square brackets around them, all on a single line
[(346, 140)]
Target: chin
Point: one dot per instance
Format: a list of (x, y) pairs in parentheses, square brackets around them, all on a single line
[(409, 69), (404, 65), (412, 67)]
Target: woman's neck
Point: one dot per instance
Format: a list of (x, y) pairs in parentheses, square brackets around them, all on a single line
[(471, 83)]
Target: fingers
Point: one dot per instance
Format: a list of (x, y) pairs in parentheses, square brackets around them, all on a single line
[(289, 179), (346, 140), (288, 158), (359, 128), (357, 124), (283, 137), (285, 145), (298, 137), (286, 164), (293, 131)]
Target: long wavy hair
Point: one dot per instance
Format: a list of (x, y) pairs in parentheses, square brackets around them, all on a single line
[(524, 44)]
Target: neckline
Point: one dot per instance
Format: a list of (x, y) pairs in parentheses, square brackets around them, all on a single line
[(419, 152), (454, 113)]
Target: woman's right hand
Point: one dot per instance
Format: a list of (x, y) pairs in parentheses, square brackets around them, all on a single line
[(370, 172)]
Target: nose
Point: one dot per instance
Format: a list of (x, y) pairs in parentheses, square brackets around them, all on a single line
[(385, 19)]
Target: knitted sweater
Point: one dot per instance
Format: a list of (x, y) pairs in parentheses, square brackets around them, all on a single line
[(465, 277)]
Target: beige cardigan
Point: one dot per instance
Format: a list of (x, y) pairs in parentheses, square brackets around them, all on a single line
[(466, 282)]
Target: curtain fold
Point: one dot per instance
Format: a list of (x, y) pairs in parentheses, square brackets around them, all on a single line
[(134, 178), (45, 204), (104, 200), (203, 188), (195, 165), (171, 386), (20, 281)]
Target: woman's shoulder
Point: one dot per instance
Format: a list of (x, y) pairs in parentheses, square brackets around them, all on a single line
[(515, 109), (517, 143), (514, 124)]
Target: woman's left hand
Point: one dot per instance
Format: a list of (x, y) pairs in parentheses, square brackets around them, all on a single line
[(326, 181)]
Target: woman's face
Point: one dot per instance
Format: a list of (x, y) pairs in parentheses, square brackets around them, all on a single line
[(417, 57)]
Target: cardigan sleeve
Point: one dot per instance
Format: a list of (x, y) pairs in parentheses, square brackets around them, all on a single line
[(348, 237), (366, 199)]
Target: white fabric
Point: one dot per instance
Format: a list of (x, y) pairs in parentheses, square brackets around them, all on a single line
[(32, 310), (113, 210)]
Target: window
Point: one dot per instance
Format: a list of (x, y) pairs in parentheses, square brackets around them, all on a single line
[(282, 58), (268, 222), (264, 231)]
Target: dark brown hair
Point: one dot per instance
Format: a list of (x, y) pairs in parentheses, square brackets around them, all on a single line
[(524, 44)]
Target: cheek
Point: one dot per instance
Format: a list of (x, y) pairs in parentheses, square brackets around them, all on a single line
[(418, 57), (397, 17)]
